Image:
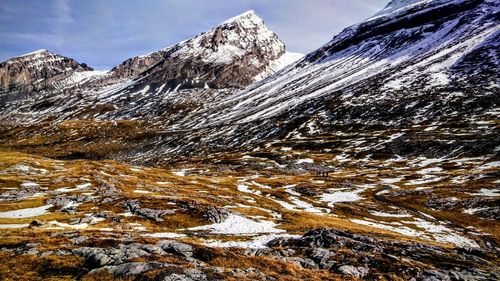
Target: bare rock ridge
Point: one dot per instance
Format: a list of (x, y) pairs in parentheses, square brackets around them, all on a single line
[(36, 71)]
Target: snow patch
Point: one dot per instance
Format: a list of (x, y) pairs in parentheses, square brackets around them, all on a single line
[(25, 213), (237, 224), (341, 197)]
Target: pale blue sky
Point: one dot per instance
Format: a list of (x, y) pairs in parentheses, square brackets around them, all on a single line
[(103, 33)]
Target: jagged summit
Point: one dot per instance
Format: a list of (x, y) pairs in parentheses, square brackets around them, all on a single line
[(37, 54), (235, 53)]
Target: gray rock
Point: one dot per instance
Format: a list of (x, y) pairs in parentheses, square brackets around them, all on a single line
[(434, 275), (134, 207), (36, 223), (107, 200), (216, 215), (359, 271), (187, 275), (132, 268), (211, 213), (67, 203), (177, 248), (19, 194), (319, 255), (303, 262), (46, 254), (60, 252), (153, 249), (79, 240), (99, 257), (32, 252)]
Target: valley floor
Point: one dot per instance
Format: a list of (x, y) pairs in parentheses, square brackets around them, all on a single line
[(272, 214)]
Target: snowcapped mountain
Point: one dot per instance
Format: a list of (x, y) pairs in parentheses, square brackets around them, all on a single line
[(36, 71), (415, 63), (232, 55), (420, 45), (422, 63)]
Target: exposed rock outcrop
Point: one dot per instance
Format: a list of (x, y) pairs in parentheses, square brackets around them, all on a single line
[(363, 256)]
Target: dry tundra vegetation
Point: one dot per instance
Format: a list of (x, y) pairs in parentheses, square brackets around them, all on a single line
[(259, 215), (375, 157)]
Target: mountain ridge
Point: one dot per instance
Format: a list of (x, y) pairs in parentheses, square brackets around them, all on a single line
[(242, 42), (350, 71)]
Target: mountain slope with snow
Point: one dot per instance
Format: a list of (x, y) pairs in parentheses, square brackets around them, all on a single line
[(229, 56), (422, 47), (414, 64), (433, 62)]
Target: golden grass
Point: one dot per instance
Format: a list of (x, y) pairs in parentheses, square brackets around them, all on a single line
[(219, 189)]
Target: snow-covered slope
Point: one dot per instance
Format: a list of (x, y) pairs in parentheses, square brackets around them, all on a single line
[(278, 64), (418, 49), (431, 63)]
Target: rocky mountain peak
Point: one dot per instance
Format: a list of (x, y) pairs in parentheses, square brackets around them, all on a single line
[(40, 52), (36, 70), (231, 54)]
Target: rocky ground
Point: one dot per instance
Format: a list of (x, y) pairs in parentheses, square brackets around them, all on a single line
[(280, 212), (375, 157)]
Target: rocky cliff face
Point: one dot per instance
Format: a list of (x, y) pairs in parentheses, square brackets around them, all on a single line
[(36, 71)]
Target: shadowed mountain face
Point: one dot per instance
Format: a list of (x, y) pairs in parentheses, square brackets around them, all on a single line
[(375, 157)]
